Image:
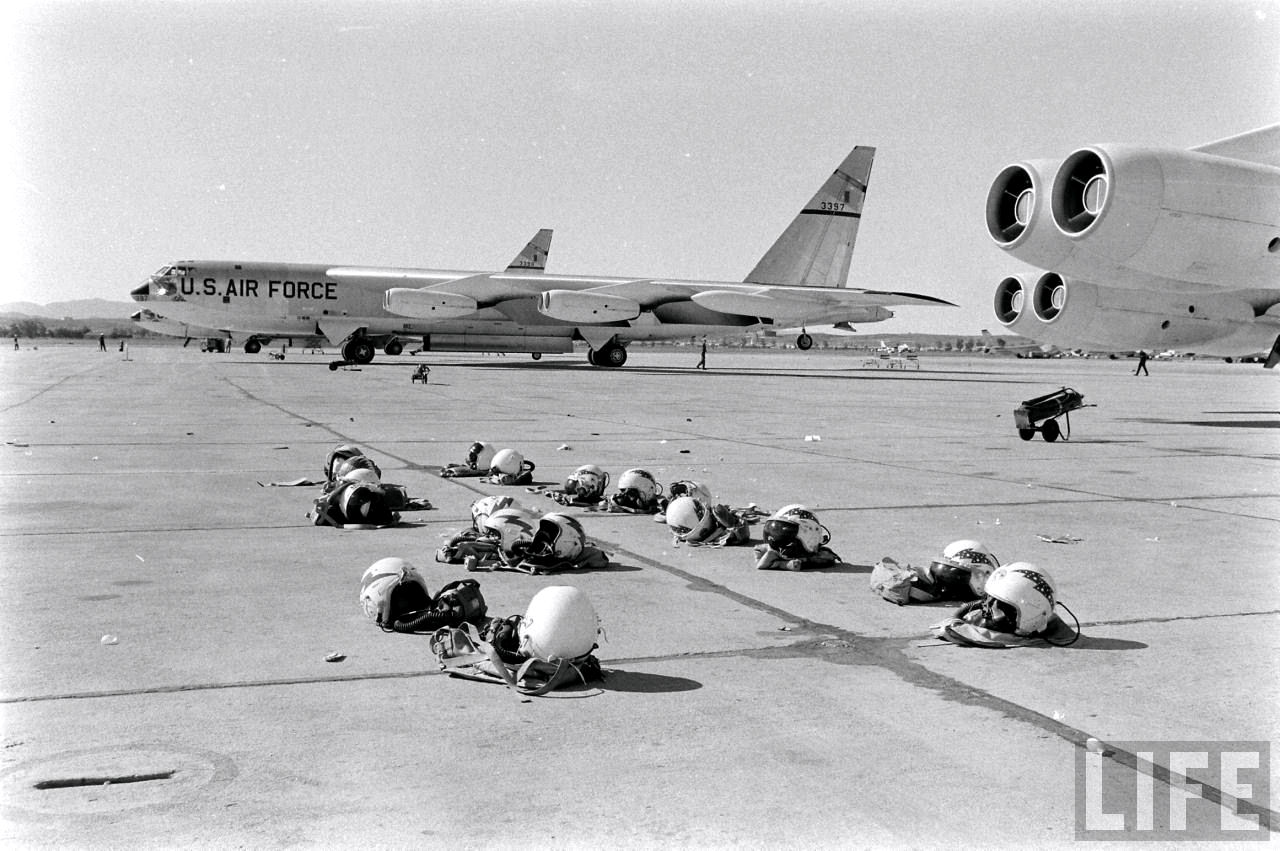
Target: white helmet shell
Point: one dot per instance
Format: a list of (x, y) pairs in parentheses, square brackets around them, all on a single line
[(973, 556), (1029, 589), (379, 580), (483, 507), (560, 623), (512, 527), (795, 524), (361, 475), (339, 453), (588, 481), (685, 487), (690, 518), (640, 481), (559, 536), (508, 462), (480, 455), (345, 466)]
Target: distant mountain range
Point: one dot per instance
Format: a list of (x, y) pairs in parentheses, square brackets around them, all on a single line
[(85, 308)]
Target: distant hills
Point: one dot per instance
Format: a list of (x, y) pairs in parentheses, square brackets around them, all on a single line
[(85, 308)]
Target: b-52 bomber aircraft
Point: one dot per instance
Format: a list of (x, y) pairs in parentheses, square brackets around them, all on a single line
[(801, 280)]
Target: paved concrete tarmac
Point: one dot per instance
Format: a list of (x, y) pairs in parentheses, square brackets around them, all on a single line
[(742, 708)]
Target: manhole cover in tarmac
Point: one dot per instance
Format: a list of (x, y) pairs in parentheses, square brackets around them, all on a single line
[(111, 779)]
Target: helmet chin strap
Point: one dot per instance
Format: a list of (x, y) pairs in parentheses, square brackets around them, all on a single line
[(1075, 636)]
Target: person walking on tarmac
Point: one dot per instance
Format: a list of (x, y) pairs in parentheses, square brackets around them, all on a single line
[(102, 342), (702, 364), (1142, 364)]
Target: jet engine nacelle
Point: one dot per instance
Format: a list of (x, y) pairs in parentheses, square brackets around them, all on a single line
[(1078, 314), (427, 304), (1117, 213), (586, 307)]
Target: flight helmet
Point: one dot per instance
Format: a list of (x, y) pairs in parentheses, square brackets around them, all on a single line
[(1027, 594)]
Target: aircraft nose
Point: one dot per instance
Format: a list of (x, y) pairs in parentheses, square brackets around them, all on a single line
[(142, 293)]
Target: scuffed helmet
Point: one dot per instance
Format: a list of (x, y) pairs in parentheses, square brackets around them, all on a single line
[(1028, 591), (364, 504), (487, 505), (689, 518), (638, 486), (355, 462), (508, 462), (390, 578), (588, 482), (685, 487), (480, 455), (559, 537), (361, 475), (560, 623), (795, 528), (339, 453), (512, 528), (964, 560)]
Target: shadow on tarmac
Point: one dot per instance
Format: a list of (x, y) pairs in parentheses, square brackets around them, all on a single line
[(1089, 642), (634, 681)]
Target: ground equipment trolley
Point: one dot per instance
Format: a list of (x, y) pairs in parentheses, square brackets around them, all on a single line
[(1046, 409)]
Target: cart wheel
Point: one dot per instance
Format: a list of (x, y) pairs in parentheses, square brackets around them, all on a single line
[(1050, 430), (1026, 433)]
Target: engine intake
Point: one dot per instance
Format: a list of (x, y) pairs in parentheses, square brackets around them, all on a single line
[(1080, 191), (1010, 204), (1049, 297), (1010, 298)]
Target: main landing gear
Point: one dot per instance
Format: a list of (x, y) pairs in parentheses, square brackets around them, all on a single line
[(610, 355)]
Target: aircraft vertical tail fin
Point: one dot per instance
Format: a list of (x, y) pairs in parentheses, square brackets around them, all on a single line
[(816, 249), (534, 256)]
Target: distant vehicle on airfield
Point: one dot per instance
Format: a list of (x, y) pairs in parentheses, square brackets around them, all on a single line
[(800, 281), (1146, 248)]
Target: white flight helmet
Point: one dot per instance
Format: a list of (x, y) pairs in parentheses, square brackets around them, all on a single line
[(559, 537), (689, 518), (360, 475), (386, 577), (480, 455), (560, 623), (347, 465), (508, 462), (641, 482), (1029, 590), (588, 481), (513, 528), (685, 487), (339, 453), (965, 556), (483, 507), (793, 528)]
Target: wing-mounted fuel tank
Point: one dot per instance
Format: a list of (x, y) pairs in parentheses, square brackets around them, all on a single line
[(1073, 313), (586, 307), (1119, 213)]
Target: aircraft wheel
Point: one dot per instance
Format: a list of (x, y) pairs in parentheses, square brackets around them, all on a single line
[(537, 355), (591, 357), (393, 347), (1050, 430), (333, 365), (804, 342), (252, 346), (358, 350), (611, 355)]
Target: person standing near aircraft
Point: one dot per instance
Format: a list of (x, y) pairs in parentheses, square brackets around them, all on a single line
[(702, 364), (1142, 363), (102, 342)]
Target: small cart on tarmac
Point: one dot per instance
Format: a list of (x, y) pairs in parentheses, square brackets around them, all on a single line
[(1045, 410)]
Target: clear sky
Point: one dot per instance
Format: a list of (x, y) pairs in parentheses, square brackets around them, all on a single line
[(656, 138)]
